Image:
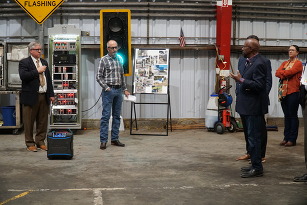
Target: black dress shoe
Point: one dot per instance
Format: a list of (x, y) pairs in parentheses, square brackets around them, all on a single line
[(117, 143), (103, 145), (301, 178), (252, 173), (246, 169)]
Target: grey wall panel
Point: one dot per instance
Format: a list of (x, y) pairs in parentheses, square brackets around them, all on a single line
[(192, 80), (192, 73), (139, 31), (207, 31), (3, 27), (90, 88), (13, 27), (191, 83), (29, 28), (272, 33)]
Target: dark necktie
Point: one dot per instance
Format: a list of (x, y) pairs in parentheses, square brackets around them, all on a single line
[(247, 63)]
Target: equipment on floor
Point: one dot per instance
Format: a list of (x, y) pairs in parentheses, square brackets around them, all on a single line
[(218, 113), (60, 144)]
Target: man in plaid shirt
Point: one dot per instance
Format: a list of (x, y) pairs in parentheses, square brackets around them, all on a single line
[(110, 76)]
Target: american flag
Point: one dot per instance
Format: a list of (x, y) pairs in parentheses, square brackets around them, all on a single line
[(181, 39)]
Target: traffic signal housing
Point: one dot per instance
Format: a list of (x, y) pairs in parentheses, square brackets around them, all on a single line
[(115, 24)]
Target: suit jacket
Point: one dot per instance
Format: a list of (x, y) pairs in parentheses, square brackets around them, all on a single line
[(269, 74), (30, 82), (252, 97)]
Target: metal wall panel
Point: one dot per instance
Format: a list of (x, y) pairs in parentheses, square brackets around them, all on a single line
[(273, 33), (192, 73)]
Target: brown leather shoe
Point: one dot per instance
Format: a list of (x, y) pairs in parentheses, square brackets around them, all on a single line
[(283, 143), (32, 149), (290, 144), (244, 157), (43, 147)]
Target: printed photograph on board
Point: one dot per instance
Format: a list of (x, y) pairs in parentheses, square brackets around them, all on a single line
[(151, 70)]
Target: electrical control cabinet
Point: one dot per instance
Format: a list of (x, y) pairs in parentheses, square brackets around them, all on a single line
[(64, 61), (2, 70)]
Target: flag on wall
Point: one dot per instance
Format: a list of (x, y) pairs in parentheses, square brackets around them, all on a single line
[(182, 39)]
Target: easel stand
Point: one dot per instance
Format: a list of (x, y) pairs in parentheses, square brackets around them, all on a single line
[(168, 117)]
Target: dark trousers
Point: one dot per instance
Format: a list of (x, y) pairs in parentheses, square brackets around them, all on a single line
[(254, 135), (39, 113), (264, 135), (305, 130), (290, 108)]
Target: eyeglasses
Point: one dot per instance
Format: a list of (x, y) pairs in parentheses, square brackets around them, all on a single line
[(291, 50), (113, 47), (39, 49)]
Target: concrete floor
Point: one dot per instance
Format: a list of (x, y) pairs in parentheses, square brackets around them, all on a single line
[(187, 167)]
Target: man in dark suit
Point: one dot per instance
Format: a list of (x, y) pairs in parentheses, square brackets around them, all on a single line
[(36, 94), (264, 138), (252, 102)]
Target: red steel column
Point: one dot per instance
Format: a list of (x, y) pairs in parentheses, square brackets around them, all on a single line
[(223, 31)]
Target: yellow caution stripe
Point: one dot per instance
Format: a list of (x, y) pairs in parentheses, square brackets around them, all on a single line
[(15, 197)]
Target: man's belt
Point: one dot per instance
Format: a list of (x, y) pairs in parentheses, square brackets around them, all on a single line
[(114, 86)]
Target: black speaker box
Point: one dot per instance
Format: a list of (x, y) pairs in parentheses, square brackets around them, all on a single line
[(60, 144)]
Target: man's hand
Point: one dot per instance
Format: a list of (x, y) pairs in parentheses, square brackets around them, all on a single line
[(41, 69), (126, 92), (52, 99), (236, 77)]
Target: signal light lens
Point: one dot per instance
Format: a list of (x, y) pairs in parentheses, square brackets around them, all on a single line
[(120, 58)]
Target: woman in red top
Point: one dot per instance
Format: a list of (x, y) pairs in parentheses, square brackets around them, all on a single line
[(290, 73)]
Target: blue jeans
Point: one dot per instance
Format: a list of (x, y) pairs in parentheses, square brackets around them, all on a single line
[(290, 108), (254, 126), (111, 100)]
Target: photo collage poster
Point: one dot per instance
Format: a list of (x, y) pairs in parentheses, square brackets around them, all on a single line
[(151, 70)]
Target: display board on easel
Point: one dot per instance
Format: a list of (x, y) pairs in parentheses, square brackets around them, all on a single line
[(151, 71), (151, 76)]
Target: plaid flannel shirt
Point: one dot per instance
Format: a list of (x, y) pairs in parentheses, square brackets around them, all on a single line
[(110, 71)]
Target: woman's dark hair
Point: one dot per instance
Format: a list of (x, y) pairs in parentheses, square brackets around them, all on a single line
[(296, 47)]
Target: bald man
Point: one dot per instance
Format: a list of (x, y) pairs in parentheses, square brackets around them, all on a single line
[(110, 77), (264, 129), (252, 102)]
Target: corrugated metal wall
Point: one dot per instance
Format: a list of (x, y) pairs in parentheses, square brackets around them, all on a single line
[(192, 71)]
